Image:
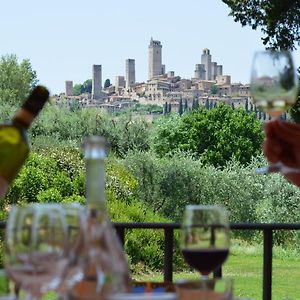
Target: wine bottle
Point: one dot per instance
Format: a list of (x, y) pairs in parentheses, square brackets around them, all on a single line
[(106, 269), (14, 146)]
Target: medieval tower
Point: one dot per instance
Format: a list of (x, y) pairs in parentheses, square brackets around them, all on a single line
[(206, 61), (154, 59), (97, 82), (130, 72)]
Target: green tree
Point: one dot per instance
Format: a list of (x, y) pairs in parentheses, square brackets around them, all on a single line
[(214, 89), (279, 20), (16, 79), (186, 105), (87, 86), (214, 136), (180, 108), (165, 108), (107, 83), (77, 89)]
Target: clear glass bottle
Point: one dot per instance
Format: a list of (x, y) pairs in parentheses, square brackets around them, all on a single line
[(14, 146), (105, 265)]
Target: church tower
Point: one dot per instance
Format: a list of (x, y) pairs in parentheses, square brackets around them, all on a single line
[(154, 59)]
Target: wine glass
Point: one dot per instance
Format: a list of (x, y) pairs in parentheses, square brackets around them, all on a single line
[(37, 247), (205, 237), (274, 88)]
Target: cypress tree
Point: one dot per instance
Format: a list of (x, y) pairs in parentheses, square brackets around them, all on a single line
[(196, 104), (165, 108), (185, 105), (207, 103), (180, 111), (247, 106)]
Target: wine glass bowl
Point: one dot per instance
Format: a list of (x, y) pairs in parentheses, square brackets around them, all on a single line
[(274, 89), (38, 247), (273, 85), (205, 237)]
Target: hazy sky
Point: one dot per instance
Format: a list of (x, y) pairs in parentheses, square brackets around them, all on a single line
[(64, 38)]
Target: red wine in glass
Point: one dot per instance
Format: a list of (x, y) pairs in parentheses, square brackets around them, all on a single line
[(205, 260), (205, 237)]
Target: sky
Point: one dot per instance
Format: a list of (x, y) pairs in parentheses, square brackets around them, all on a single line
[(64, 38)]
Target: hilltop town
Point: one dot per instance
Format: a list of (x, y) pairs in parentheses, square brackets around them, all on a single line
[(162, 87)]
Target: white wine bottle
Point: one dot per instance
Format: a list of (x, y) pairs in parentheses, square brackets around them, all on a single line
[(14, 146), (106, 270)]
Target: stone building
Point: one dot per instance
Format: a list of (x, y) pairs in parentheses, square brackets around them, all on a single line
[(223, 79), (97, 82), (156, 90), (119, 84), (200, 71), (69, 88), (130, 73), (207, 70), (206, 61), (155, 66)]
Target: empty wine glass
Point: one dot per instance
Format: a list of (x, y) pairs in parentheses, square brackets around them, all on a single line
[(205, 237), (37, 247), (274, 88)]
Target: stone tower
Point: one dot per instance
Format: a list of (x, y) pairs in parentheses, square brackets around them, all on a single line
[(69, 88), (154, 59), (130, 72), (219, 70), (206, 61), (200, 71), (213, 70), (97, 82)]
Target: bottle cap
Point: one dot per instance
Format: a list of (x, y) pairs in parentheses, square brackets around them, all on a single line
[(36, 100)]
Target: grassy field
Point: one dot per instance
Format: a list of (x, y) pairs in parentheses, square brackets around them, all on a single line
[(244, 265)]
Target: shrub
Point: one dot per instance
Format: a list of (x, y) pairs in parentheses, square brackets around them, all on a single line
[(215, 136)]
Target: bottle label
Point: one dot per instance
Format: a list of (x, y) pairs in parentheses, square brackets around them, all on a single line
[(3, 187)]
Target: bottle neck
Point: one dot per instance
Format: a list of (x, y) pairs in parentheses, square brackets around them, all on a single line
[(95, 186), (23, 118)]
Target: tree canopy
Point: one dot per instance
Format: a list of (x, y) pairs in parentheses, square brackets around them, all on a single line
[(16, 79), (86, 87), (279, 20), (107, 83), (214, 136)]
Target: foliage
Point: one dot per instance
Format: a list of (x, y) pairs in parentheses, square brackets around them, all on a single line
[(279, 20), (47, 176), (214, 136), (86, 87), (167, 185), (214, 89), (107, 83), (123, 133), (138, 108), (16, 79), (144, 247), (295, 110)]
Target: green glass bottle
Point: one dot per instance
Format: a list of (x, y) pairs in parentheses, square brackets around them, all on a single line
[(14, 146)]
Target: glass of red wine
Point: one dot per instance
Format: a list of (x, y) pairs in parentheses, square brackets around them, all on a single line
[(205, 237)]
